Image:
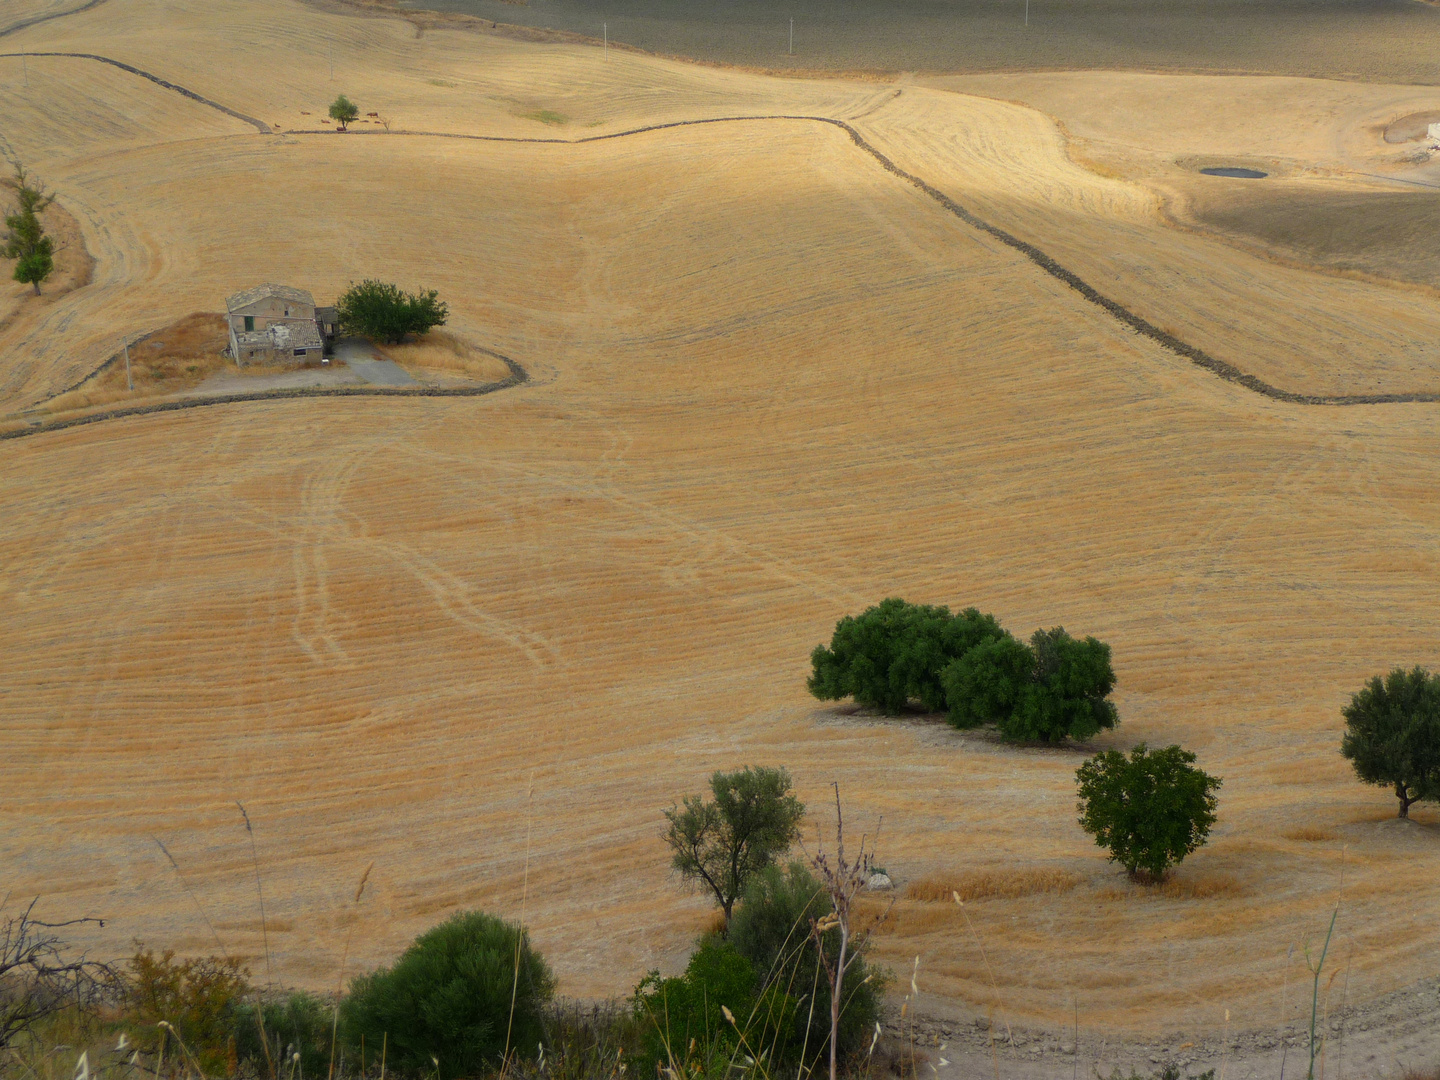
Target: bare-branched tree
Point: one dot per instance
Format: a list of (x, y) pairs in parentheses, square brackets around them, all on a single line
[(842, 879), (37, 976)]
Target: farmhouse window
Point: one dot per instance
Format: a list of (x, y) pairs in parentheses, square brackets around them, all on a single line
[(299, 352), (249, 323)]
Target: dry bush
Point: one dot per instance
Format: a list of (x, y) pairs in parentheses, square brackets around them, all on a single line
[(439, 351), (1310, 834), (178, 357), (1009, 884)]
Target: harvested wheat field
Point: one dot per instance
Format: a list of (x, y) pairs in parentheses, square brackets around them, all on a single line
[(770, 383)]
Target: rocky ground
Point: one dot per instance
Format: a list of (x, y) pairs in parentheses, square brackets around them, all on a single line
[(1396, 1036)]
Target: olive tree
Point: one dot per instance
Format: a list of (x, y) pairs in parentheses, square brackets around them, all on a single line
[(343, 111), (1392, 734), (1150, 809), (719, 846)]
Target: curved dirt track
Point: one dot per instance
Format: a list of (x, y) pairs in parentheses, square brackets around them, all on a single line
[(1120, 312), (518, 377)]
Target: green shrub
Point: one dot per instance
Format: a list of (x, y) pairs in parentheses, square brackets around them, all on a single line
[(382, 312), (684, 1021), (197, 997), (1150, 809), (448, 997), (893, 654), (1392, 734), (772, 931), (299, 1024)]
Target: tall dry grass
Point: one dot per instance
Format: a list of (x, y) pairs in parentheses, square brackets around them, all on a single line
[(177, 357), (988, 884), (442, 351)]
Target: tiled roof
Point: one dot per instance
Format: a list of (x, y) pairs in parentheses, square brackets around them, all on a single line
[(246, 297), (298, 334)]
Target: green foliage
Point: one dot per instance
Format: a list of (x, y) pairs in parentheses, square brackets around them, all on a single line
[(772, 931), (197, 997), (893, 654), (984, 685), (684, 1019), (449, 997), (1392, 734), (383, 312), (25, 240), (1150, 809), (343, 111), (1067, 690), (298, 1024), (1050, 690), (719, 845)]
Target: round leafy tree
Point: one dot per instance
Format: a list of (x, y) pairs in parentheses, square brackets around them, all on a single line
[(383, 312), (344, 111), (1150, 809), (448, 998), (1392, 734)]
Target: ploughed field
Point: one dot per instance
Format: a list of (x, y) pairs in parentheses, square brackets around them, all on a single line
[(771, 383)]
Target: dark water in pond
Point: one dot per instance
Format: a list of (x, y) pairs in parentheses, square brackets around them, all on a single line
[(1376, 40), (1244, 174)]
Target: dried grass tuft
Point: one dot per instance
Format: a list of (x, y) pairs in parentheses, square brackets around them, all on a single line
[(439, 351), (1208, 887), (1309, 834), (982, 885)]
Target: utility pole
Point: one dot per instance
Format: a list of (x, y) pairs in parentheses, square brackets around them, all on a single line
[(1027, 12), (25, 67), (126, 345), (792, 34), (605, 29)]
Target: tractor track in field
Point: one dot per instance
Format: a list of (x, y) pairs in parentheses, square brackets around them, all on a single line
[(1137, 323)]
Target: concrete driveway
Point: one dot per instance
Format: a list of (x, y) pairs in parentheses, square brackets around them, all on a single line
[(359, 357)]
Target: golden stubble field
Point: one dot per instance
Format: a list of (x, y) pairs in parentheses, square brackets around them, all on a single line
[(771, 384)]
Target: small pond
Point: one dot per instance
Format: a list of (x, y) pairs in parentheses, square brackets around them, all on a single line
[(1231, 170)]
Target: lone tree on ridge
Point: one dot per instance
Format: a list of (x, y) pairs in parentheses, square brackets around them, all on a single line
[(719, 846), (25, 239), (1392, 734), (343, 111)]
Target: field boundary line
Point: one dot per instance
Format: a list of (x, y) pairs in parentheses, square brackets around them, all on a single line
[(259, 125), (518, 377), (36, 20)]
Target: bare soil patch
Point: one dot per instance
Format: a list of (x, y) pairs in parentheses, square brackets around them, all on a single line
[(1411, 127)]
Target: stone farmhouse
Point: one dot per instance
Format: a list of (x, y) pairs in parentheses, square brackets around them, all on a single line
[(275, 324)]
